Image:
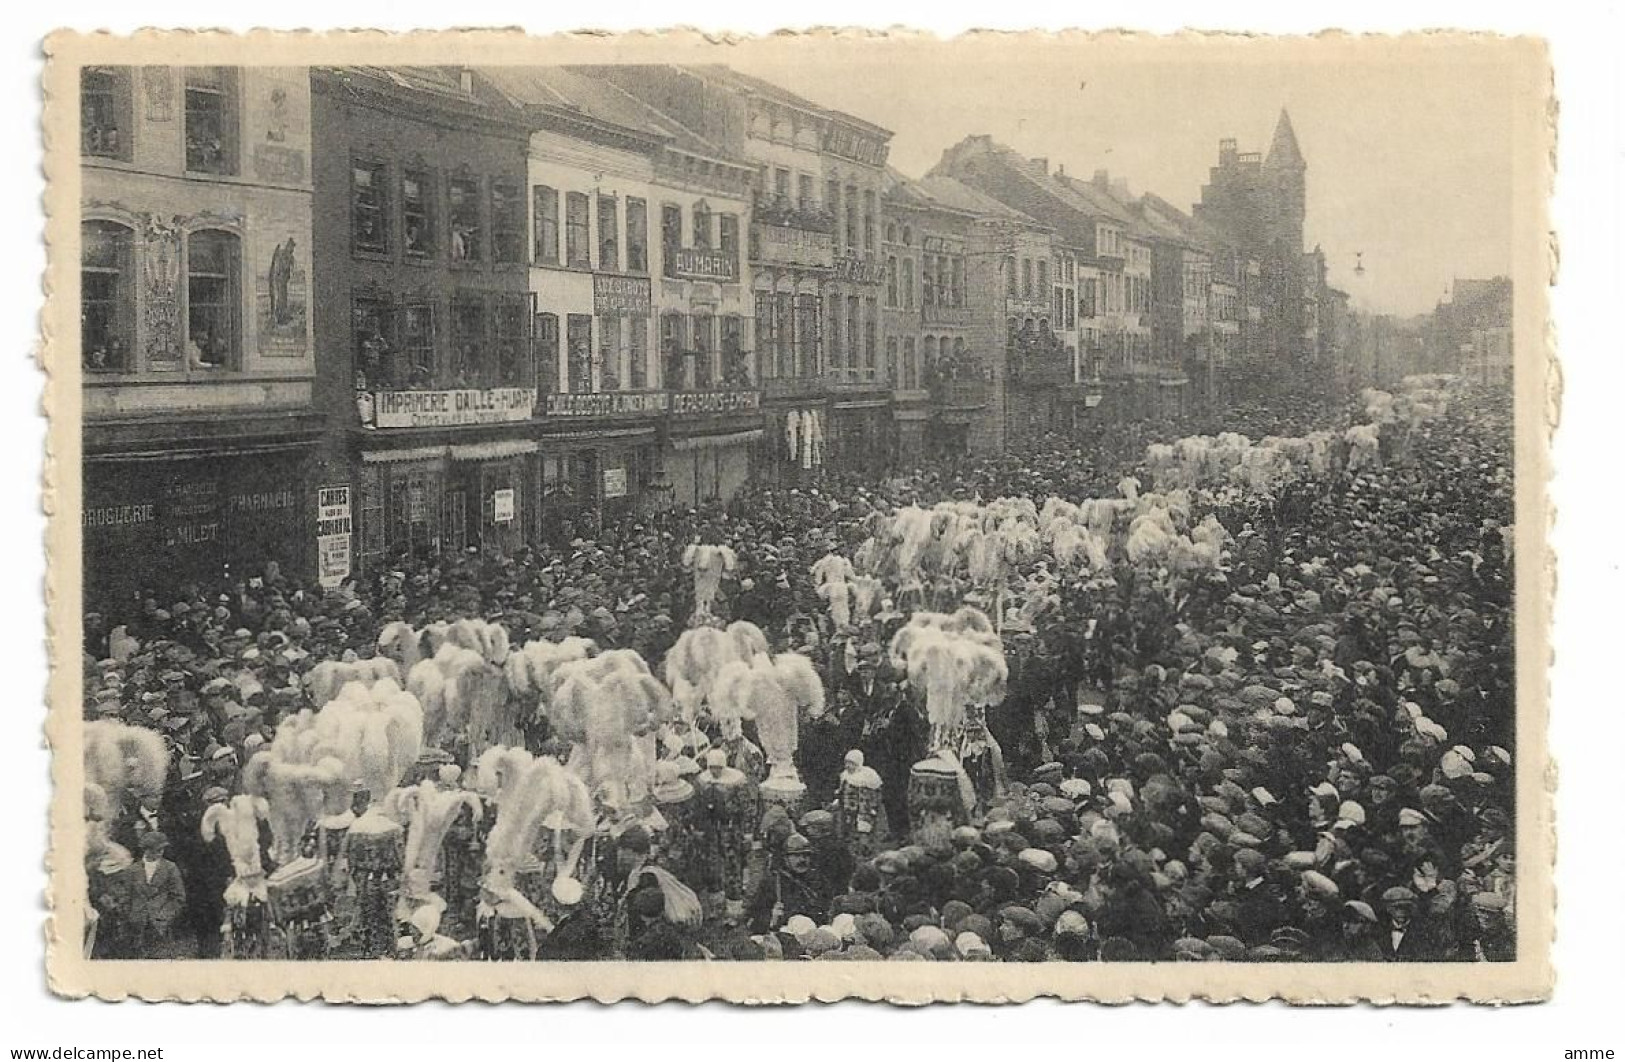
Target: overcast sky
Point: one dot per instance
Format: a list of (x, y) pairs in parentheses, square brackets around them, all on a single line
[(1409, 144)]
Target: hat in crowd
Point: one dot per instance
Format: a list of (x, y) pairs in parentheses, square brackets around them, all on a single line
[(1398, 894), (1359, 909), (1489, 901), (1411, 817), (1319, 885), (153, 841)]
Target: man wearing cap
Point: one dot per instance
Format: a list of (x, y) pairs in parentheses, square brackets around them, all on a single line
[(156, 899), (793, 887), (1408, 935)]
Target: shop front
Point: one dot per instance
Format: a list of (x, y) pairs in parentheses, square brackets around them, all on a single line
[(861, 434), (589, 479), (154, 523)]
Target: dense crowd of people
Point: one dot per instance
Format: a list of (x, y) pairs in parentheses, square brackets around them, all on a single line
[(1303, 754)]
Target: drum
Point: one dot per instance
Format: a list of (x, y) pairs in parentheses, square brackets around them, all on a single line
[(296, 892), (375, 846), (858, 814), (934, 794)]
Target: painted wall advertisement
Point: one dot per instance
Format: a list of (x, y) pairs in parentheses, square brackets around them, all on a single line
[(333, 528)]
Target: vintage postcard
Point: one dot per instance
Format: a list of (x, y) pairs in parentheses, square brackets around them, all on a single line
[(840, 514)]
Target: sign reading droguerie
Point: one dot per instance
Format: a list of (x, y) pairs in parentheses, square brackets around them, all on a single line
[(432, 409), (621, 296)]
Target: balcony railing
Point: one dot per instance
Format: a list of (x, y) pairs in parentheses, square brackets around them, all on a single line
[(952, 316), (783, 212), (691, 263), (857, 268)]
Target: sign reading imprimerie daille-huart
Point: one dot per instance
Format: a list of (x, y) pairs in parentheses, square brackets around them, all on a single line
[(429, 409)]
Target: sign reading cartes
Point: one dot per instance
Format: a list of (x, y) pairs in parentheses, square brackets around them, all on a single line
[(433, 409), (333, 527)]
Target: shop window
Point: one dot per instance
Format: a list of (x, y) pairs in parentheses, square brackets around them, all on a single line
[(638, 353), (507, 223), (705, 331), (735, 363), (546, 202), (104, 112), (369, 208), (370, 541), (637, 236), (417, 214), (509, 314), (211, 120), (470, 353), (415, 497), (213, 300), (609, 252), (578, 338), (106, 296), (377, 359), (417, 339), (463, 212), (547, 352), (577, 238)]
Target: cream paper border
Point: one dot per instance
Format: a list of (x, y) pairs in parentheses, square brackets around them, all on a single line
[(1537, 402)]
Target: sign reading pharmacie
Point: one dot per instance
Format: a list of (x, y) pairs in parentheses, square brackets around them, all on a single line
[(433, 409), (616, 296)]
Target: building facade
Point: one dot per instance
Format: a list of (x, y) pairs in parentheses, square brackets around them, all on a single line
[(427, 371), (200, 424), (815, 257)]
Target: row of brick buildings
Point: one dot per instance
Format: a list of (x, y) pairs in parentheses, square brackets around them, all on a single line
[(333, 315)]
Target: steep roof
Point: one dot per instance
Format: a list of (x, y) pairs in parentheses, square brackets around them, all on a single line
[(598, 100), (755, 85), (1284, 153)]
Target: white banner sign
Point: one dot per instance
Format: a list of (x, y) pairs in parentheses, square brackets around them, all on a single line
[(502, 506), (614, 482), (430, 409), (334, 525)]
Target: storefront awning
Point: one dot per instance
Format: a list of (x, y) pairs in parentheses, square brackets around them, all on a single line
[(410, 453), (486, 451), (709, 442)]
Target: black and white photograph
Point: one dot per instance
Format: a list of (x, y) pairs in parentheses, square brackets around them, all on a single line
[(1070, 501)]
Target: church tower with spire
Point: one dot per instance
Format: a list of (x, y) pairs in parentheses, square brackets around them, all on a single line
[(1284, 173)]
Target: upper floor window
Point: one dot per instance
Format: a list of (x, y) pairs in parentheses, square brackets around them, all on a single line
[(104, 112), (369, 208), (211, 119), (1026, 278), (728, 239), (609, 248), (928, 280), (869, 222), (891, 281), (804, 192), (908, 283), (507, 222), (702, 227), (637, 236), (957, 279), (417, 214), (781, 184), (1010, 289), (852, 215), (547, 225), (463, 212), (106, 296), (577, 237), (671, 231), (213, 300), (1043, 278), (470, 339)]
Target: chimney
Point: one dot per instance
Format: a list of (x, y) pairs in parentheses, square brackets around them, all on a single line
[(1061, 170), (466, 81), (1120, 186), (1103, 179), (1042, 166)]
